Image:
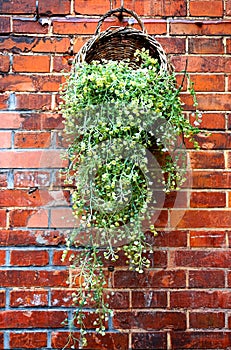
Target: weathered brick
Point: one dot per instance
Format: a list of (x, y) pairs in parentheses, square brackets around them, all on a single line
[(189, 27), (31, 63), (5, 139), (2, 218), (149, 299), (211, 121), (4, 23), (28, 26), (150, 340), (207, 160), (206, 46), (33, 101), (209, 82), (29, 258), (213, 141), (197, 258), (207, 199), (31, 159), (4, 64), (54, 7), (33, 238), (200, 299), (150, 279), (29, 218), (150, 320), (10, 120), (213, 239), (25, 179), (28, 340), (32, 319), (210, 179), (4, 101), (29, 278), (3, 179), (32, 140), (18, 6), (208, 8), (26, 44), (207, 279), (28, 298), (199, 340), (206, 320)]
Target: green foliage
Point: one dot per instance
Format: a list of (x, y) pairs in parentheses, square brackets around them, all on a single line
[(116, 115)]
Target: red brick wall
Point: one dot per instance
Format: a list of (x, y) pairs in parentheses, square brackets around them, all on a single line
[(183, 301)]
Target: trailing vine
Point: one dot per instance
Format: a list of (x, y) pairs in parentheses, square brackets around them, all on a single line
[(118, 117)]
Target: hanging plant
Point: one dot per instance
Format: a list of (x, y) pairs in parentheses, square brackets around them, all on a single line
[(124, 122)]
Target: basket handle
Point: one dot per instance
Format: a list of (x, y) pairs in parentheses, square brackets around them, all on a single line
[(120, 9)]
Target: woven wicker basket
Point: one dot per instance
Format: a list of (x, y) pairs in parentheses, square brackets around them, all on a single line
[(118, 43)]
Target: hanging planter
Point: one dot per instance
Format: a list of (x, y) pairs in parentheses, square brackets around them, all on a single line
[(124, 116)]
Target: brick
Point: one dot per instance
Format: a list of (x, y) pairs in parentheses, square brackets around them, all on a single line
[(32, 198), (29, 258), (206, 320), (210, 83), (200, 299), (33, 101), (143, 7), (207, 160), (169, 239), (197, 258), (28, 298), (209, 179), (10, 120), (211, 121), (206, 279), (213, 239), (150, 340), (32, 140), (172, 44), (206, 46), (32, 83), (201, 340), (202, 64), (189, 27), (208, 8), (207, 199), (32, 319), (19, 6), (5, 139), (229, 160), (63, 63), (28, 26), (149, 299), (31, 63), (4, 23), (42, 121), (62, 218), (150, 279), (3, 179), (4, 101), (212, 218), (209, 102), (28, 340), (30, 278), (35, 238), (150, 320), (95, 341), (228, 45), (30, 218), (31, 179), (31, 159), (2, 218), (25, 44), (4, 64), (213, 141), (228, 9), (2, 298), (54, 7)]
